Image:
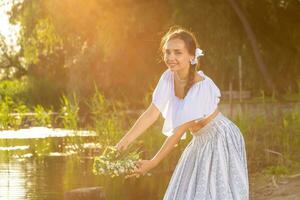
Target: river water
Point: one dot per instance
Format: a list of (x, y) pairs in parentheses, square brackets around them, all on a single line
[(49, 178)]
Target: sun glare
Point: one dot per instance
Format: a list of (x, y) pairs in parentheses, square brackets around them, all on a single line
[(9, 31)]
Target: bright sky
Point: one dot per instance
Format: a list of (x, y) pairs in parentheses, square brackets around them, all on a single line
[(9, 31)]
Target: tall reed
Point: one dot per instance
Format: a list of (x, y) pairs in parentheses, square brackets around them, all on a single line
[(107, 118), (68, 113)]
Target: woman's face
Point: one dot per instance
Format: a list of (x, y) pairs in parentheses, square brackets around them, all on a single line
[(176, 55)]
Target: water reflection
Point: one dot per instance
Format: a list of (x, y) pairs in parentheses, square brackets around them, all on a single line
[(29, 180), (48, 178), (13, 182)]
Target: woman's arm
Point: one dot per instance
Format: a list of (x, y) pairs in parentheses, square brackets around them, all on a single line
[(145, 165), (170, 142), (142, 123)]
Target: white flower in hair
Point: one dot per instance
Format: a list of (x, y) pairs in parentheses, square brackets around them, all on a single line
[(198, 53)]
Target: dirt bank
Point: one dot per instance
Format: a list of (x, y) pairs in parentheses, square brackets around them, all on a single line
[(263, 187)]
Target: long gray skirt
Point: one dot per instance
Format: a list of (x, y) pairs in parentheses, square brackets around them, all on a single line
[(213, 166)]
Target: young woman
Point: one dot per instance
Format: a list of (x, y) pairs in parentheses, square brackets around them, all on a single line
[(213, 165)]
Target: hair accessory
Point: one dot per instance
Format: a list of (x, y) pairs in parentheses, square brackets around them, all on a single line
[(198, 52)]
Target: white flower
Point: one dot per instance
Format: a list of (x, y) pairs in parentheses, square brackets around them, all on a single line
[(110, 164)]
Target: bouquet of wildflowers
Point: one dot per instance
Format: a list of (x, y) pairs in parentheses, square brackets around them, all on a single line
[(115, 163)]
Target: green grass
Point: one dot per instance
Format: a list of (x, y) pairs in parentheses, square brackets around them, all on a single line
[(272, 140)]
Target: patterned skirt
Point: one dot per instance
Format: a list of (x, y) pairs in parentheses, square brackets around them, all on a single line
[(213, 166)]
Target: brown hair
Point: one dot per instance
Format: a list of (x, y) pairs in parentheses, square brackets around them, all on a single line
[(176, 32)]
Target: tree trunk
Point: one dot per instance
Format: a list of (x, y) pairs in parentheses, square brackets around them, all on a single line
[(259, 60)]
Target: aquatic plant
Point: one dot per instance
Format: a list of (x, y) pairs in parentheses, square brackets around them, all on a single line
[(11, 113), (68, 113), (106, 118), (42, 116)]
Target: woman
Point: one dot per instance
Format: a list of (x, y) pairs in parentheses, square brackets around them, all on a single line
[(213, 165)]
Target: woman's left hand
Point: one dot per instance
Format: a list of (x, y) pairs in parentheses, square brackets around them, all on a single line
[(143, 166)]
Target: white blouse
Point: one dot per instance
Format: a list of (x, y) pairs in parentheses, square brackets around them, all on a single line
[(201, 100)]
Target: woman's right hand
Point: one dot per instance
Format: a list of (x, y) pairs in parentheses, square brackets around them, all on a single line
[(122, 145)]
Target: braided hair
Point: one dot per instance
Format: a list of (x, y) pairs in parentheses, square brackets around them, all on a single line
[(190, 41)]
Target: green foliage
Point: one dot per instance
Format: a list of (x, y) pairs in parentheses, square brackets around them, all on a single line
[(42, 117), (43, 41), (44, 91), (271, 138), (11, 113), (32, 91), (64, 42), (106, 117), (15, 89), (69, 112)]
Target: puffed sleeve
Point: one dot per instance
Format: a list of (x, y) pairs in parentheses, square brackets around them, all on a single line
[(200, 102), (161, 93)]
